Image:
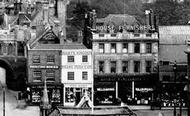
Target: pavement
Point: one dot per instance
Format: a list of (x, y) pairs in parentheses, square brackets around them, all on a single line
[(166, 112), (14, 107)]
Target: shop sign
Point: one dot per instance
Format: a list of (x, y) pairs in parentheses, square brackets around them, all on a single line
[(77, 66), (49, 87), (55, 67), (76, 52), (78, 85), (105, 89), (144, 89)]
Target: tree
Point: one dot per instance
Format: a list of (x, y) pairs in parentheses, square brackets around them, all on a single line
[(170, 12)]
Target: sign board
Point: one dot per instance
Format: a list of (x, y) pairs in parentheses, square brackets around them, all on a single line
[(77, 66), (105, 89), (78, 85), (85, 52), (54, 67)]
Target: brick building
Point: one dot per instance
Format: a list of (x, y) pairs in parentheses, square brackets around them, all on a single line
[(44, 63)]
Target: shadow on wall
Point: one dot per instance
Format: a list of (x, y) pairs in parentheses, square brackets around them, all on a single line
[(15, 74)]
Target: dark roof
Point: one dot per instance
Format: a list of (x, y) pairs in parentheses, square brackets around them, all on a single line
[(59, 46), (118, 19)]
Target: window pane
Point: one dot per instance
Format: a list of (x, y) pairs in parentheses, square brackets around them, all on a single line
[(50, 59), (113, 47), (69, 95), (148, 66), (84, 58), (70, 58), (137, 48), (125, 66), (37, 75), (70, 75), (148, 48), (36, 58), (84, 75), (101, 48), (101, 66), (113, 66), (50, 75), (125, 47), (136, 66)]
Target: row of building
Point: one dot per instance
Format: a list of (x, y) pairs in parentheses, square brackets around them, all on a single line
[(113, 60)]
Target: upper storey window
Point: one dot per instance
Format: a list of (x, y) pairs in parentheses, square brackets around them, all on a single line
[(113, 47), (137, 47), (101, 47)]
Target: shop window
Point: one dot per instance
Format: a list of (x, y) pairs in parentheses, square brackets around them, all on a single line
[(84, 75), (70, 59), (36, 59), (125, 47), (148, 48), (84, 58), (56, 96), (137, 47), (69, 95), (113, 66), (101, 47), (70, 75), (50, 75), (125, 66), (36, 98), (37, 75), (113, 47), (137, 66), (148, 66), (50, 59), (101, 66)]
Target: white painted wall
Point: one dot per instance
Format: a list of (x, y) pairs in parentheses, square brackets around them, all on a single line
[(77, 66), (2, 76)]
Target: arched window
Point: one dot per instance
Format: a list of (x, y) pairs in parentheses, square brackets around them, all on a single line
[(10, 49)]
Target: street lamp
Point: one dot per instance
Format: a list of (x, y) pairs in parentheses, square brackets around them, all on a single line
[(174, 69)]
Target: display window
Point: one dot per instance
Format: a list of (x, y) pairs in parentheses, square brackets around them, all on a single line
[(36, 96), (74, 95)]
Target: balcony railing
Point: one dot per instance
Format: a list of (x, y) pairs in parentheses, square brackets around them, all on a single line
[(111, 36)]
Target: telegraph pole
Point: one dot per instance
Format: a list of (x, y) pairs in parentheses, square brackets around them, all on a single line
[(3, 101)]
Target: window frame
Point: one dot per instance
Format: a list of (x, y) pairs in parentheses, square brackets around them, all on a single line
[(85, 58), (113, 66), (36, 60), (138, 68), (125, 66), (37, 77), (51, 59), (69, 74), (148, 47), (103, 48), (113, 47), (52, 78), (136, 47), (70, 59), (84, 75), (101, 65)]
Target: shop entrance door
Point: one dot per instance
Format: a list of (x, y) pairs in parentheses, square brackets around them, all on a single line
[(78, 97)]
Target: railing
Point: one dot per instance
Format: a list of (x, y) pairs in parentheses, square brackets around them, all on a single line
[(103, 36)]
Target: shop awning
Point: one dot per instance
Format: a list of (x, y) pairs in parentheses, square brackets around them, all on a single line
[(126, 77), (101, 111)]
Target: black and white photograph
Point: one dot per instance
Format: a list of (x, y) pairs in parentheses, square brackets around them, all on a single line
[(94, 57)]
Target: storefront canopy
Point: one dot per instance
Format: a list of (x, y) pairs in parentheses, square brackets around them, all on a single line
[(101, 111)]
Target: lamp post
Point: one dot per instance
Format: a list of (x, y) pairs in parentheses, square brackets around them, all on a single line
[(174, 69)]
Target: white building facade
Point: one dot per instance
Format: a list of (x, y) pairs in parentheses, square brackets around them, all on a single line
[(77, 75)]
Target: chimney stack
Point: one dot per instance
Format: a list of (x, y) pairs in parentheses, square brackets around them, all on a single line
[(61, 14), (46, 12)]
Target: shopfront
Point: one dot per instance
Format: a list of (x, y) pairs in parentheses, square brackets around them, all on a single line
[(105, 93), (171, 92), (74, 92), (131, 89), (55, 92)]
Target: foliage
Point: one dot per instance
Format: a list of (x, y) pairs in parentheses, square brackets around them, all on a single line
[(170, 12)]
